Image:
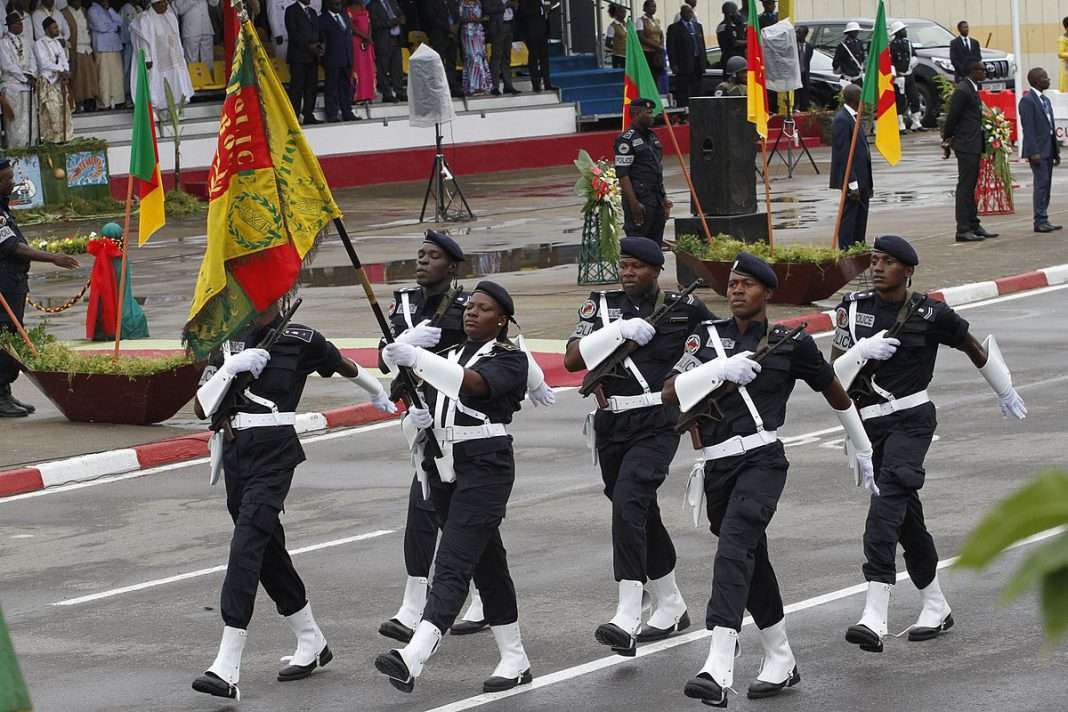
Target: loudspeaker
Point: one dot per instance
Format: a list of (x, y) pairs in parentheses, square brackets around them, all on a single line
[(722, 155)]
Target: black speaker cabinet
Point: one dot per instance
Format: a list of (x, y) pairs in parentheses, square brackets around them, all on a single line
[(723, 155)]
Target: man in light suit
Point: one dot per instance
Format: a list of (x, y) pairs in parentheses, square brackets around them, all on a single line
[(963, 132), (962, 50), (861, 185), (1040, 144)]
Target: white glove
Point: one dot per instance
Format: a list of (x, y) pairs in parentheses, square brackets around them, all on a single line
[(1012, 404), (382, 403), (251, 360), (400, 354), (740, 369), (542, 395), (637, 330), (423, 335), (866, 472), (877, 347), (420, 418)]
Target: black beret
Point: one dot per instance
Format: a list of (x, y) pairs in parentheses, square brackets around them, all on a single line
[(642, 248), (758, 269), (13, 17), (898, 248), (499, 294), (643, 104), (446, 243)]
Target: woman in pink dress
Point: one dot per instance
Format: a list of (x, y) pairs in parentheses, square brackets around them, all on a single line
[(363, 53)]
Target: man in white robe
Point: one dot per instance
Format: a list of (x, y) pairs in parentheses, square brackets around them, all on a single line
[(198, 35), (46, 9), (156, 32), (53, 77), (18, 75)]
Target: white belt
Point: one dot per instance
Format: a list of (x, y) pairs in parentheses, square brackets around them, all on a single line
[(739, 445), (461, 433), (619, 404), (243, 421), (893, 406)]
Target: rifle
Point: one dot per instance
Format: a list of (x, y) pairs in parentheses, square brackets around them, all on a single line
[(861, 390), (708, 408), (609, 368), (395, 388), (235, 395)]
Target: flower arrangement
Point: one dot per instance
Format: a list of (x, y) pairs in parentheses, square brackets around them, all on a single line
[(997, 147), (599, 185), (73, 245)]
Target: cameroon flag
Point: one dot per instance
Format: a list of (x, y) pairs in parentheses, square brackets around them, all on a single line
[(879, 91), (756, 87), (144, 159), (268, 201), (638, 81), (13, 694)]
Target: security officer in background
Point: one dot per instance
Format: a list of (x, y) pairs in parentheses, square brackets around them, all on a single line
[(640, 169), (15, 257), (770, 15), (849, 56), (742, 467), (903, 58), (736, 78), (634, 438), (731, 34), (899, 333), (258, 465)]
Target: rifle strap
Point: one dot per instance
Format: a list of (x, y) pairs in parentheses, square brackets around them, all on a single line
[(446, 301), (406, 309), (904, 313), (717, 344)]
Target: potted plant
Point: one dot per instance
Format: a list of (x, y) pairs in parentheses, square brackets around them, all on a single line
[(806, 273)]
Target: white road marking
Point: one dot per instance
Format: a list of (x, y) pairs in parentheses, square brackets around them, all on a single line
[(601, 663), (213, 569)]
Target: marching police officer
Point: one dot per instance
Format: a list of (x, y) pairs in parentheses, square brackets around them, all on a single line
[(634, 437), (15, 257), (640, 169), (884, 352), (258, 465), (735, 78), (903, 57), (472, 392), (742, 467), (849, 56)]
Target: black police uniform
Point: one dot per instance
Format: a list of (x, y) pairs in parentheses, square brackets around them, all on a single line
[(849, 59), (640, 155), (901, 54), (743, 491), (635, 447), (258, 466), (472, 507), (13, 285), (731, 38), (410, 307), (900, 440)]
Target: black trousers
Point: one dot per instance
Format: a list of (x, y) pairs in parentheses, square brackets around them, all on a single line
[(258, 547), (420, 533), (16, 299), (632, 472), (444, 43), (389, 64), (1043, 175), (471, 510), (303, 85), (900, 442), (338, 91), (854, 221), (501, 60), (967, 179), (655, 220), (742, 494), (909, 99), (537, 41), (686, 86), (803, 96)]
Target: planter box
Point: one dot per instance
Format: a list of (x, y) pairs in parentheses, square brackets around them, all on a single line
[(106, 398), (799, 283)]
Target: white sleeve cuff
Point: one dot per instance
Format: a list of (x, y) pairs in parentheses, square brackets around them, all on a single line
[(444, 375), (366, 380), (211, 394), (996, 371), (854, 428), (692, 386), (599, 345)]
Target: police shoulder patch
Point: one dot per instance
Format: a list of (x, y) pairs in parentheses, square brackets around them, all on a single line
[(627, 134), (505, 346), (841, 317), (624, 147), (299, 332), (859, 296), (693, 343), (588, 309)]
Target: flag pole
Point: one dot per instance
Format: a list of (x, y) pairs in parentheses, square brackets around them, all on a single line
[(18, 325), (122, 271), (848, 172), (767, 193), (689, 182)]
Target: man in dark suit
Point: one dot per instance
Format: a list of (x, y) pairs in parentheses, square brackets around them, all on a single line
[(963, 132), (500, 33), (534, 16), (335, 28), (861, 185), (686, 52), (441, 22), (387, 23), (962, 50), (302, 56), (1040, 144), (803, 97)]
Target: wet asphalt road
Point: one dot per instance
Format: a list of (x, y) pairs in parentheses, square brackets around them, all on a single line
[(164, 533)]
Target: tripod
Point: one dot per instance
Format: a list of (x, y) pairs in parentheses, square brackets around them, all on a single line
[(789, 130), (444, 194)]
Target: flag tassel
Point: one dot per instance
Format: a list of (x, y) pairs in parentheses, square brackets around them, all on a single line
[(848, 172), (122, 271), (689, 181)]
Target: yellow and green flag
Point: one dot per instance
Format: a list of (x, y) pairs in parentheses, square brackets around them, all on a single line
[(144, 159), (878, 91), (268, 201), (14, 696), (638, 82)]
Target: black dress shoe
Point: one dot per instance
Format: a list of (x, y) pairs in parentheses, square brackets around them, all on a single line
[(333, 120), (30, 409), (535, 86), (550, 87), (211, 684), (495, 92), (620, 641), (969, 237), (1046, 227), (468, 627), (389, 99), (918, 634), (299, 672), (396, 630), (649, 633), (351, 117), (704, 688), (393, 665), (512, 90), (311, 121), (760, 689), (402, 97), (10, 409), (982, 232), (865, 637), (502, 684)]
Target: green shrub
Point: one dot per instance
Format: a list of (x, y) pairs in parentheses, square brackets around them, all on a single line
[(57, 357), (724, 248)]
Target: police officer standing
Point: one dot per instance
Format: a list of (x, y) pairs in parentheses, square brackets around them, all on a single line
[(730, 34), (734, 83), (634, 437), (15, 257), (640, 169), (471, 393), (903, 58), (742, 468), (884, 352), (849, 56), (258, 465)]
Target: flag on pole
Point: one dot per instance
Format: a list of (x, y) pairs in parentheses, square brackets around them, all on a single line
[(756, 86), (878, 91), (268, 201), (13, 694), (638, 82), (144, 159)]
